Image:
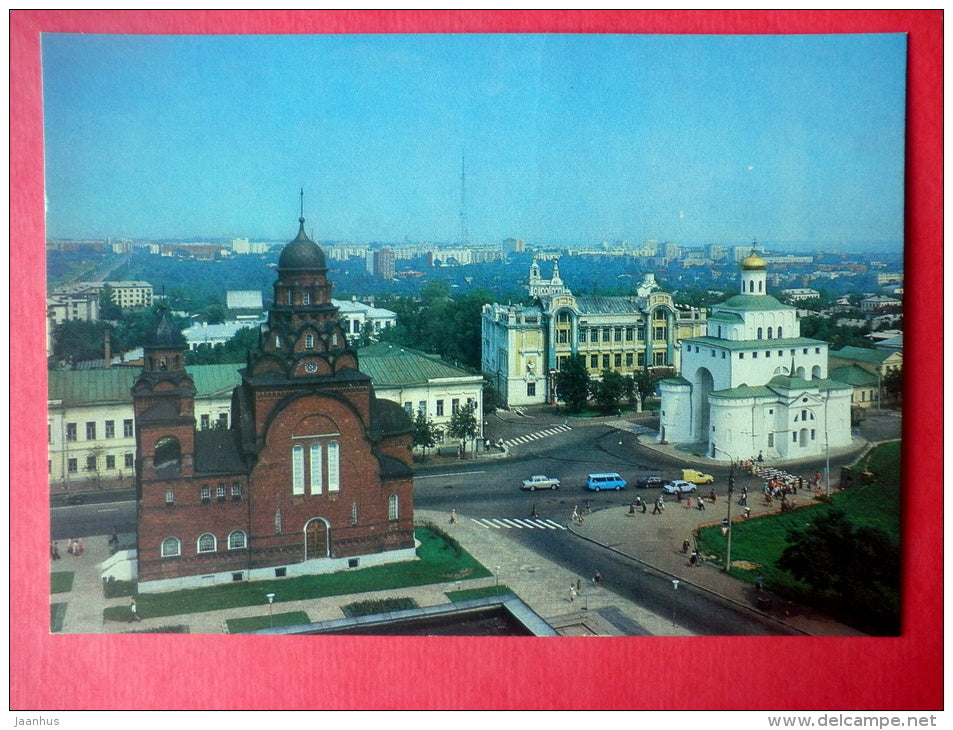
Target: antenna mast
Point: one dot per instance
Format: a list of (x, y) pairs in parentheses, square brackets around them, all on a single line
[(464, 226)]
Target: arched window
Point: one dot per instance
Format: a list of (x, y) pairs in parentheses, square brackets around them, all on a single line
[(306, 297), (392, 507), (316, 469), (760, 285), (779, 333), (297, 469), (334, 467), (309, 342), (237, 540), (353, 513), (770, 333), (207, 543), (171, 547), (760, 333), (751, 286)]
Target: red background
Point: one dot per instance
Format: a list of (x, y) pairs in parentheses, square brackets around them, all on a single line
[(144, 671)]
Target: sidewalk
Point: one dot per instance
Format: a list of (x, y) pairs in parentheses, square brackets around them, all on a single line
[(656, 541), (541, 584)]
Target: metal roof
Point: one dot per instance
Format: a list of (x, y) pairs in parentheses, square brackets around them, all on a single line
[(393, 365)]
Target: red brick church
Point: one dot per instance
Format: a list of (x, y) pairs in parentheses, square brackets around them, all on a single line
[(313, 477)]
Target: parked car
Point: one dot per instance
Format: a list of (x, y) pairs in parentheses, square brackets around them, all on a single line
[(650, 482), (75, 498), (540, 481), (611, 480), (697, 477), (679, 486)]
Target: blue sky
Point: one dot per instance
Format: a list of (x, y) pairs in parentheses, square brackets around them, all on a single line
[(567, 138)]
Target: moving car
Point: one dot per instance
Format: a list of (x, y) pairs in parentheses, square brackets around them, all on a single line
[(651, 482), (697, 477), (611, 480), (677, 486), (539, 481)]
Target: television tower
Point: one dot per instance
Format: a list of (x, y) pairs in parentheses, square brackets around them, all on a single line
[(464, 226)]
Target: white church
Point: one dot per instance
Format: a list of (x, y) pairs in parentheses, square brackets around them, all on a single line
[(753, 385)]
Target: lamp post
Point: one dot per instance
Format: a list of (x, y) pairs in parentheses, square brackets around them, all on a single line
[(497, 567), (727, 526), (674, 598), (271, 616)]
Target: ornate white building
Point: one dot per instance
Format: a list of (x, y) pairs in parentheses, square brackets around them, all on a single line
[(753, 384)]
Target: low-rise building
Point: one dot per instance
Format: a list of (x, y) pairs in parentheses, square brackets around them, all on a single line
[(423, 383)]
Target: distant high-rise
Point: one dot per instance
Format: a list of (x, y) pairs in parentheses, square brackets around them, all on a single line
[(385, 263)]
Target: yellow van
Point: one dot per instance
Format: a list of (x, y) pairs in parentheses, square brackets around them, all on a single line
[(697, 477)]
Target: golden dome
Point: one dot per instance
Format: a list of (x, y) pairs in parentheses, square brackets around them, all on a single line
[(754, 263)]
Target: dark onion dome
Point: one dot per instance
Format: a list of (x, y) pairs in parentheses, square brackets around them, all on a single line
[(302, 253), (754, 263), (166, 335)]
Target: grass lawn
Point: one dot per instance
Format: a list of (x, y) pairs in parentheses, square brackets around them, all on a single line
[(253, 623), (61, 582), (760, 541), (57, 615), (471, 593), (440, 559)]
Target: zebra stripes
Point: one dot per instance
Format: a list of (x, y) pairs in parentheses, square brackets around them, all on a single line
[(536, 435), (535, 523)]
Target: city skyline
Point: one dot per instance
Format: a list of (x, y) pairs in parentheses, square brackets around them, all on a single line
[(566, 138)]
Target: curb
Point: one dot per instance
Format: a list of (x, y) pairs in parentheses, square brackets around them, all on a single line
[(700, 587)]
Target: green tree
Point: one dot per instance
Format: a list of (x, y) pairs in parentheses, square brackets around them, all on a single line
[(77, 340), (645, 381), (425, 434), (492, 397), (859, 568), (573, 382), (892, 383), (609, 391), (108, 308), (463, 425)]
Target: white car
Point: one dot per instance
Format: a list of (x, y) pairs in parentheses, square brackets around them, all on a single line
[(539, 481), (679, 486)]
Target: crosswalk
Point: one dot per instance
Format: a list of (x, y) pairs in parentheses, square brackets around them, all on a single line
[(534, 523), (515, 441)]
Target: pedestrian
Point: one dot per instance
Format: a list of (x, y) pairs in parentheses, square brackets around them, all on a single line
[(760, 458), (758, 583), (688, 502), (54, 551), (657, 510), (453, 517), (114, 538), (678, 496), (631, 508), (133, 615), (572, 593), (693, 560), (533, 513), (578, 586), (747, 512), (701, 503), (744, 496), (69, 546), (79, 547), (596, 578), (685, 545)]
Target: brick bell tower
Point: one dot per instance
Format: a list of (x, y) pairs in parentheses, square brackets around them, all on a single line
[(331, 477)]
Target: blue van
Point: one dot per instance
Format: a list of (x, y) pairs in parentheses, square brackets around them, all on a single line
[(598, 482)]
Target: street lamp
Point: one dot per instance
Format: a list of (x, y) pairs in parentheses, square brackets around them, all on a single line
[(497, 568), (727, 524), (674, 598), (271, 616)]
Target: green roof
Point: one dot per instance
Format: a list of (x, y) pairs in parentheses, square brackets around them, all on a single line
[(746, 345), (853, 375), (725, 317), (779, 382), (113, 385), (861, 353), (752, 303), (393, 365)]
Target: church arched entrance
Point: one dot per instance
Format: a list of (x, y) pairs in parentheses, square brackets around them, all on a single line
[(317, 539), (703, 385)]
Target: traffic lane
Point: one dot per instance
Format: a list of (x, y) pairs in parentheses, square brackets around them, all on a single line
[(700, 612), (85, 520)]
